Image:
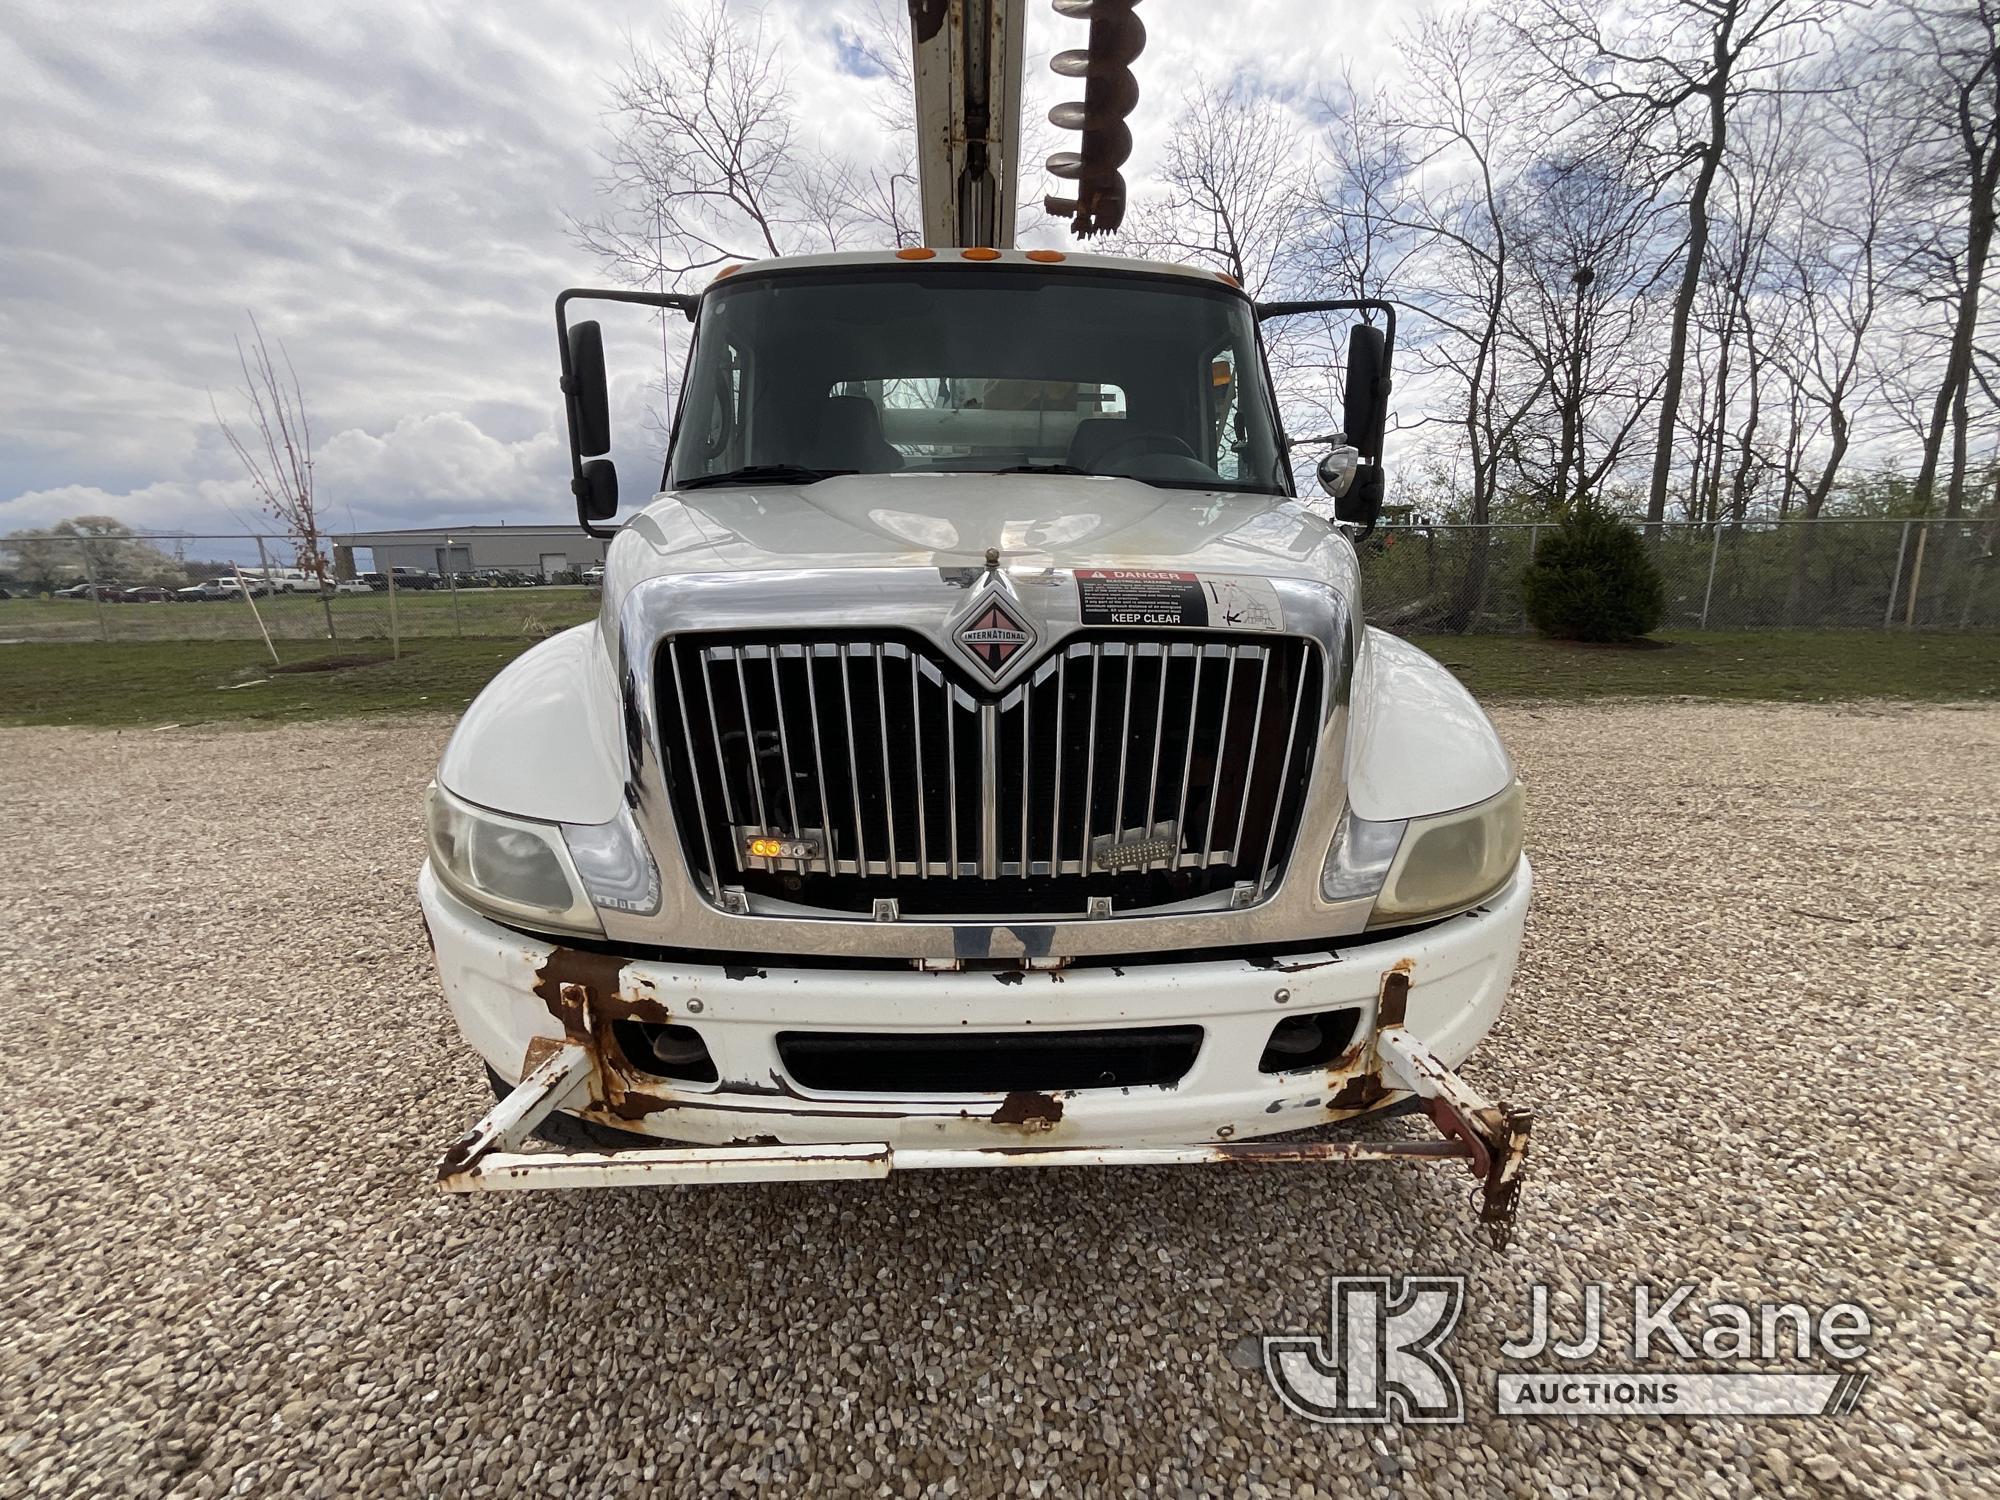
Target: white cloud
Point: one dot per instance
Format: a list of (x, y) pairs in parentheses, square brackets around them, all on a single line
[(384, 185)]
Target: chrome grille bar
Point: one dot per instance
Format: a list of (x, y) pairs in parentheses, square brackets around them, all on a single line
[(700, 800), (1090, 758), (1215, 771), (888, 777), (923, 791), (1124, 745), (1187, 754)]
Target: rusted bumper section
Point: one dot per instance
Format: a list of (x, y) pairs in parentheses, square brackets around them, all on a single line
[(1491, 1139)]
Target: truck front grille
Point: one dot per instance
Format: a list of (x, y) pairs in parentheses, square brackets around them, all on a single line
[(1122, 772)]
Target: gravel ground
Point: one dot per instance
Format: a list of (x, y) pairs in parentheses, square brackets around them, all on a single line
[(1755, 1015)]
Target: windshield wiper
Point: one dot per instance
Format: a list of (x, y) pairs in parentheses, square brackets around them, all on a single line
[(1044, 469), (764, 474)]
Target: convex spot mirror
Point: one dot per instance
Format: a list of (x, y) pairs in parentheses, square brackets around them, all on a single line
[(1338, 468)]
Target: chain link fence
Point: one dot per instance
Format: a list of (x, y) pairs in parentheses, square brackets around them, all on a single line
[(1761, 575), (1417, 579)]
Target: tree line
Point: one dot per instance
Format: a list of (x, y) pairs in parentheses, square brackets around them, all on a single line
[(1705, 260), (1712, 260)]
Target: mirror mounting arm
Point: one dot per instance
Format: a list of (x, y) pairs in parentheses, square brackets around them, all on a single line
[(586, 400), (1370, 443), (1352, 472)]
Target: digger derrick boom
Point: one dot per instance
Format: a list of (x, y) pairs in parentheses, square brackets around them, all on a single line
[(967, 72)]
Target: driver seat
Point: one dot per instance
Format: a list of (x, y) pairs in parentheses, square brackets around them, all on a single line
[(1096, 436), (849, 436)]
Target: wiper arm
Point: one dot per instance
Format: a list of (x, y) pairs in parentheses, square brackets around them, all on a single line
[(1045, 469), (764, 474)]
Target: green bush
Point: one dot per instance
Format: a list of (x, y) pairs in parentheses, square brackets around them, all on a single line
[(1591, 580)]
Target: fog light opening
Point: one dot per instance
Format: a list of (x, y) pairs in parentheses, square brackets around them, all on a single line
[(1311, 1040), (675, 1052)]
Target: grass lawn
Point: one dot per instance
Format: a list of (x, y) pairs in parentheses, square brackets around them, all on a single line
[(191, 682), (427, 612), (1781, 666)]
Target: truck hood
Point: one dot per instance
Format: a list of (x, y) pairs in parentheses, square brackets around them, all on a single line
[(950, 520)]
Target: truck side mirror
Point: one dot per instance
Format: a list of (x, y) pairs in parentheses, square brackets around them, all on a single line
[(589, 400), (1365, 403)]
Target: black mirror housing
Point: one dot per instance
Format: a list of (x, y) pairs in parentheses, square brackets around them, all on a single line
[(1362, 504), (1365, 401), (597, 489), (584, 385)]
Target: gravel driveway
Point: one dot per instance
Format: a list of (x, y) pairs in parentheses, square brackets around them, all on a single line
[(1756, 1019)]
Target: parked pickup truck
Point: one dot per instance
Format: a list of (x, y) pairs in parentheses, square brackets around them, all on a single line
[(978, 759)]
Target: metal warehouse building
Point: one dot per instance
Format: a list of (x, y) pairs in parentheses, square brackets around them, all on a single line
[(459, 549)]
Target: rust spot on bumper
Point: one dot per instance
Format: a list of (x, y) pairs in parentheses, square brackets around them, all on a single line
[(1362, 1091), (582, 989), (540, 1050), (585, 993), (1035, 1111), (1394, 1001)]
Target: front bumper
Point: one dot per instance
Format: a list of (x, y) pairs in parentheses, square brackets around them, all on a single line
[(545, 1012)]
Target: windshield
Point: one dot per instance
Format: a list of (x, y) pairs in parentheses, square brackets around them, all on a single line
[(912, 370)]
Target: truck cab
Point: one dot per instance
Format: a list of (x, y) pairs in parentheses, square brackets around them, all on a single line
[(978, 758)]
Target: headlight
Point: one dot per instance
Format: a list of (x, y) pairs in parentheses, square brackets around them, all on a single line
[(612, 861), (508, 867), (1426, 867)]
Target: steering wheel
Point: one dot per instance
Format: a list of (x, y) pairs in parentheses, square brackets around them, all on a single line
[(1145, 442)]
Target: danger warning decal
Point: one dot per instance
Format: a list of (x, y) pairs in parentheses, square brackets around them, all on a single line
[(1152, 596), (1140, 596)]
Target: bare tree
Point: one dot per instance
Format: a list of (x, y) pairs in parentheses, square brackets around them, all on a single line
[(708, 164), (275, 449), (886, 196), (1463, 125), (1671, 76), (1351, 240), (1234, 187), (1738, 313), (1233, 198), (1954, 48), (1585, 313), (1835, 275), (705, 164)]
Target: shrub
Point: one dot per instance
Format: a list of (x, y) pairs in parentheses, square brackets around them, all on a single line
[(1591, 580)]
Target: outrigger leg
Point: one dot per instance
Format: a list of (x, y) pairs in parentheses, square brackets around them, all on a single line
[(1493, 1139)]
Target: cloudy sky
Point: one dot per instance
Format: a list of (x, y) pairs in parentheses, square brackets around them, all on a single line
[(384, 183)]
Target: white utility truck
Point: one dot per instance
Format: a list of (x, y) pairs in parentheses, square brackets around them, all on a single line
[(978, 760)]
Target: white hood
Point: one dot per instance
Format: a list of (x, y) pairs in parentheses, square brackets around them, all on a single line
[(950, 520)]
